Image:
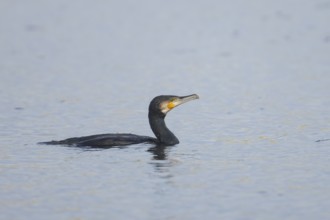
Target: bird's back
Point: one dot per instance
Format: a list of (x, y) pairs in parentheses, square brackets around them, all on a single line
[(105, 140)]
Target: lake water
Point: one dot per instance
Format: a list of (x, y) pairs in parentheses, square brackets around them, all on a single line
[(254, 146)]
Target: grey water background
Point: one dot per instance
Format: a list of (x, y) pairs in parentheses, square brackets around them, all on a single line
[(248, 146)]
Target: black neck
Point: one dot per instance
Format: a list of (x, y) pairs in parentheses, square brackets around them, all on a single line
[(163, 134)]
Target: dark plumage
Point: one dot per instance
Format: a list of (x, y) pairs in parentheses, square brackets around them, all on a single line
[(158, 109)]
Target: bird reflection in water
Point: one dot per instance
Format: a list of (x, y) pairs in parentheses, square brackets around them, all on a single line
[(159, 152), (161, 162)]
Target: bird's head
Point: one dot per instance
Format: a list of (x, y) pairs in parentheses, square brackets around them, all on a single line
[(164, 103)]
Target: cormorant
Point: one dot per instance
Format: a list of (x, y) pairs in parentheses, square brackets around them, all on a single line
[(158, 109)]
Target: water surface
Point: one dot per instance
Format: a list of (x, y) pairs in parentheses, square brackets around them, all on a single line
[(248, 146)]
